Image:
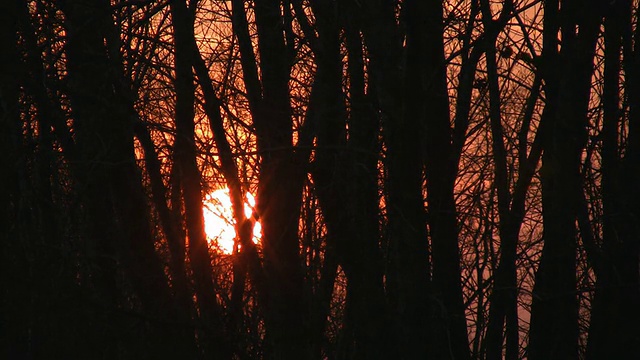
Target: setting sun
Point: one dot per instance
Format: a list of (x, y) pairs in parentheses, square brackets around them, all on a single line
[(219, 223)]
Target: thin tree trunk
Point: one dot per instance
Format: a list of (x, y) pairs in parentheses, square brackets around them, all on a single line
[(247, 259), (171, 228), (503, 300)]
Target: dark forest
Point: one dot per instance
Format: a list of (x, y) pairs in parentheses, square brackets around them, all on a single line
[(454, 179)]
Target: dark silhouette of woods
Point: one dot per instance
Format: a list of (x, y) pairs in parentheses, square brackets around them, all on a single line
[(433, 180)]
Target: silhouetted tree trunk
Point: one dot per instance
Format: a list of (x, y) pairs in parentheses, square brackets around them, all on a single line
[(614, 314), (351, 218), (404, 117), (503, 314), (174, 235), (449, 330), (14, 330), (88, 87), (118, 228), (247, 258), (281, 179), (213, 331), (53, 293), (420, 134), (554, 313), (503, 317)]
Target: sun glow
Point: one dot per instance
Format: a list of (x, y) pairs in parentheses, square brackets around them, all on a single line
[(219, 224)]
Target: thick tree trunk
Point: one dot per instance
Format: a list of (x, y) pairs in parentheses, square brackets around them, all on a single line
[(414, 138), (14, 292), (449, 334), (87, 66), (404, 116), (351, 219), (118, 228), (614, 317), (554, 314), (281, 180)]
